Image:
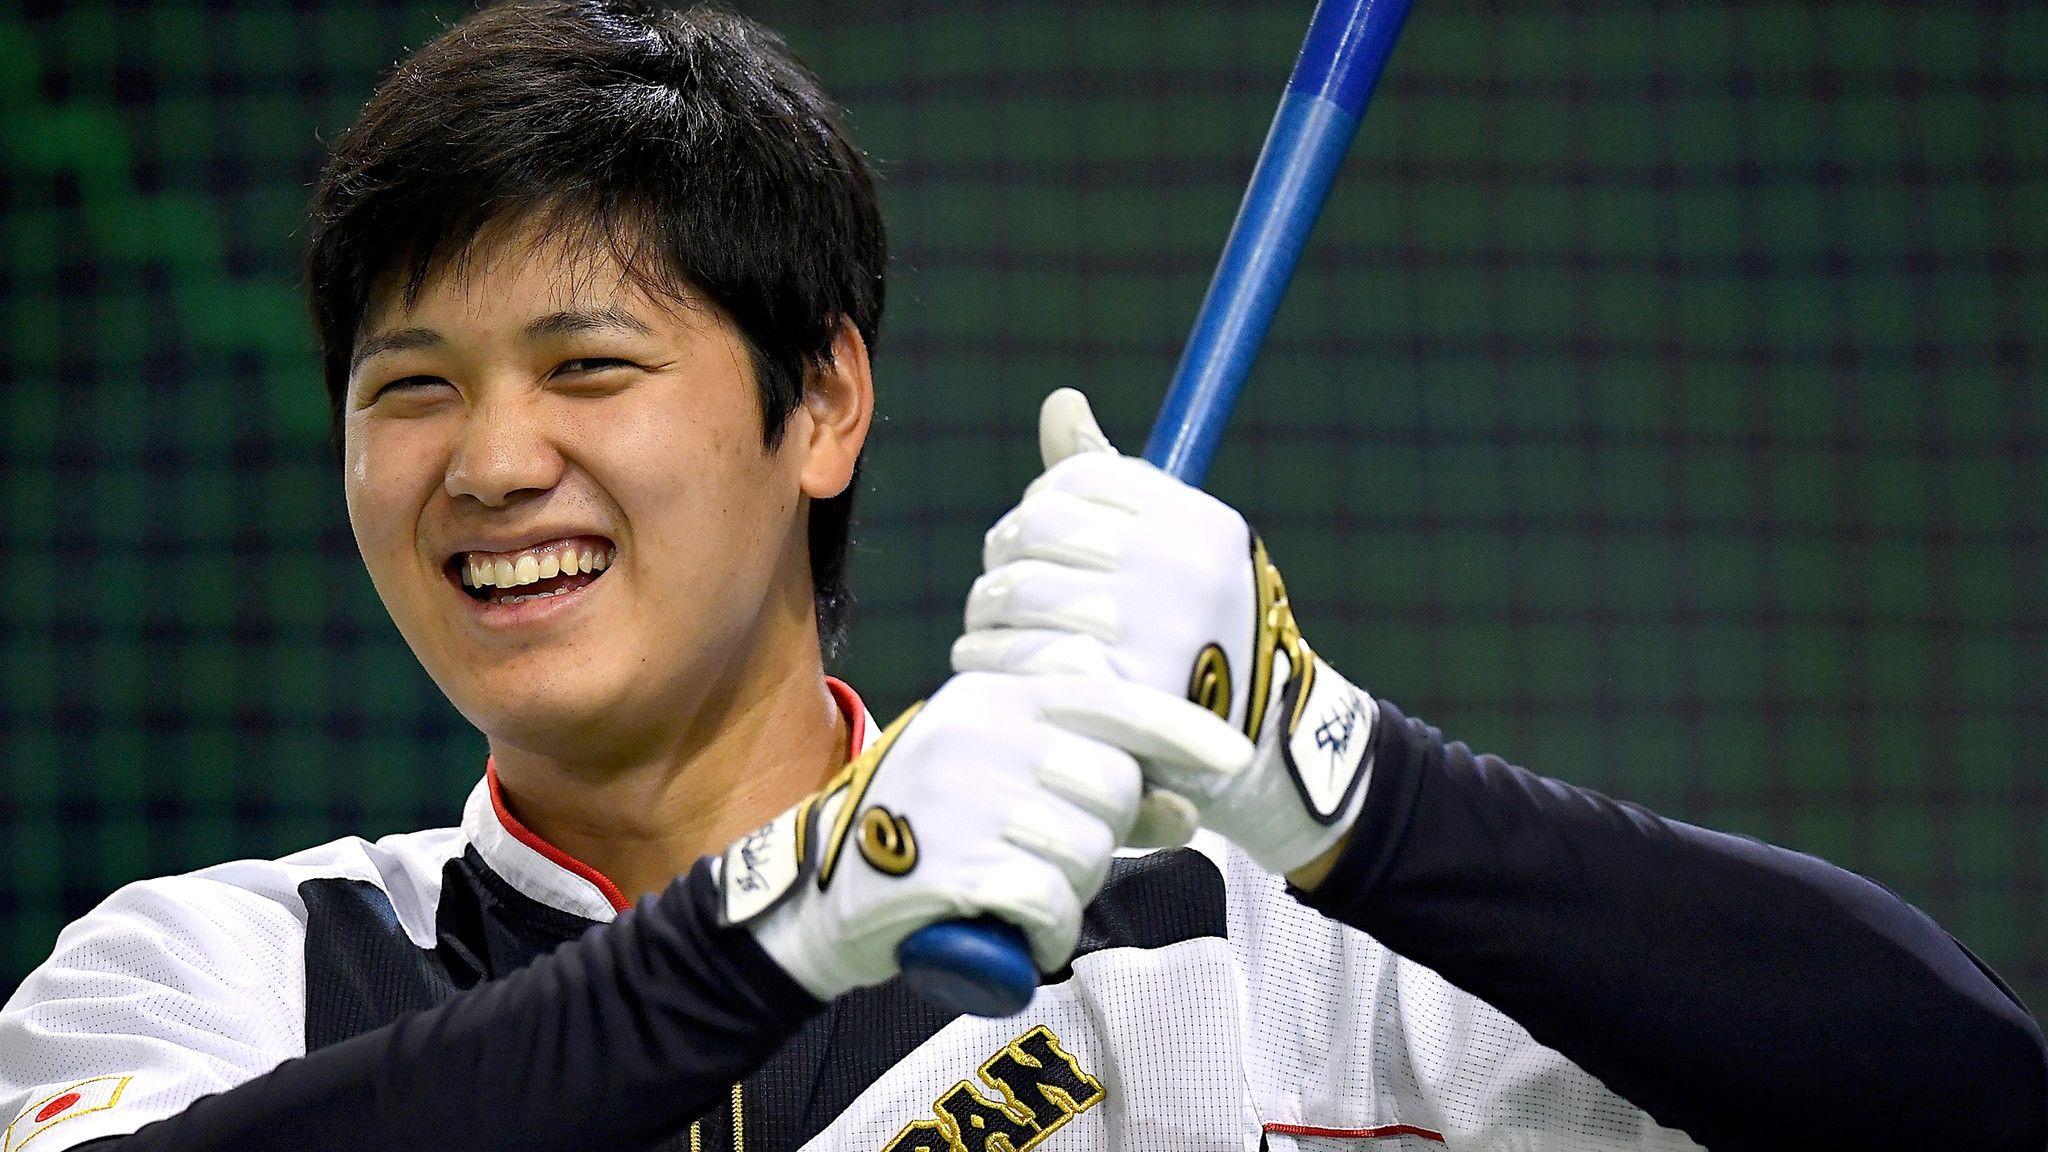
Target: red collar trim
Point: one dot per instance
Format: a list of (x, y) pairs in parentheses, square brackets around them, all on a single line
[(856, 714), (554, 855), (843, 695)]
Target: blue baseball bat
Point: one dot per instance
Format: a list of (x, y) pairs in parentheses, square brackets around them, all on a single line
[(983, 966)]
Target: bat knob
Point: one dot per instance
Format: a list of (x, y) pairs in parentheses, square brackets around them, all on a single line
[(980, 967)]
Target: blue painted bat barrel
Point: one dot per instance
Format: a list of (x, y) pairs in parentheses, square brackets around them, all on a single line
[(1341, 61)]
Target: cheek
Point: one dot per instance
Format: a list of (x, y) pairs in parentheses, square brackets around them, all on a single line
[(659, 448), (390, 470), (699, 484)]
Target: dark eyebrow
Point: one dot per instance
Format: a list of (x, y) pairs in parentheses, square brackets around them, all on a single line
[(553, 324), (570, 323), (397, 340)]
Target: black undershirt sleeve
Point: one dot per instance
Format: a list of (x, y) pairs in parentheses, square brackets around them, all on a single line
[(615, 1041), (1752, 996)]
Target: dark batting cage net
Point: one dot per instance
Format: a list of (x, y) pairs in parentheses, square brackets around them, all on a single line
[(1660, 404)]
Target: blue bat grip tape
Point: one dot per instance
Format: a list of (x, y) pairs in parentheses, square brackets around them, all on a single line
[(984, 966)]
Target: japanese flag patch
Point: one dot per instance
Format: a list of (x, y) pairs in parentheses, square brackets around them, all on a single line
[(67, 1103)]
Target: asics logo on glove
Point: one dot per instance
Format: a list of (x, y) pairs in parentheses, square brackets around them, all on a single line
[(1110, 566), (843, 794), (1209, 682), (886, 841)]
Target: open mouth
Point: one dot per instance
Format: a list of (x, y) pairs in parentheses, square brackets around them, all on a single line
[(556, 568)]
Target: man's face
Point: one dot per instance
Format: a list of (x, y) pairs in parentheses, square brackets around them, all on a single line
[(537, 415)]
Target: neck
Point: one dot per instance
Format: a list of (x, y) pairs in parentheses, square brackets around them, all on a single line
[(747, 751)]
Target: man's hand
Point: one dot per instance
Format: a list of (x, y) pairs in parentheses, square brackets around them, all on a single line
[(975, 803), (1110, 565)]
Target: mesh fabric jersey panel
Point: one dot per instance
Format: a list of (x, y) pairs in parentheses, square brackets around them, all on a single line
[(1658, 404)]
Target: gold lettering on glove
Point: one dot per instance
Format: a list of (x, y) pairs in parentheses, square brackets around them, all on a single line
[(1274, 632), (1041, 1087), (853, 780), (886, 841)]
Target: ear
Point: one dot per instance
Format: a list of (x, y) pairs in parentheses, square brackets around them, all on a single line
[(839, 400)]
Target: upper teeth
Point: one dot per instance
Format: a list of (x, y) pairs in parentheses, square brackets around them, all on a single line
[(531, 565)]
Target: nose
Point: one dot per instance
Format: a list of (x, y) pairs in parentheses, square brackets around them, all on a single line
[(505, 449)]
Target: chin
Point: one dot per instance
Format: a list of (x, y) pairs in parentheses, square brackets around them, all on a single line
[(561, 714), (599, 690), (556, 729)]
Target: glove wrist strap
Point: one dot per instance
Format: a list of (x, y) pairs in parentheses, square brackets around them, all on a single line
[(1320, 754)]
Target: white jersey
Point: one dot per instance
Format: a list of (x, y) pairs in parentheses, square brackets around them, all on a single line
[(1205, 1009)]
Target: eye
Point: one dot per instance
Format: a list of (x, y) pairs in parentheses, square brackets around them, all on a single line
[(405, 384), (585, 364)]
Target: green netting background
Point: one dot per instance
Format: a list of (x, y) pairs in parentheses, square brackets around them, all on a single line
[(1660, 405)]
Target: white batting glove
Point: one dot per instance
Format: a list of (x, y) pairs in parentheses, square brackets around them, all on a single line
[(974, 803), (1109, 564)]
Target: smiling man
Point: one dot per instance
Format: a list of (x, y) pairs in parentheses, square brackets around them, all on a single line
[(557, 476), (597, 286)]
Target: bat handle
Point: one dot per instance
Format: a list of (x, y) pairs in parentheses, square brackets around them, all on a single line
[(981, 967)]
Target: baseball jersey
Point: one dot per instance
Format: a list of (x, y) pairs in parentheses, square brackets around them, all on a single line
[(1208, 1006)]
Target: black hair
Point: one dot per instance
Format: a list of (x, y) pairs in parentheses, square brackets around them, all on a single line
[(691, 142)]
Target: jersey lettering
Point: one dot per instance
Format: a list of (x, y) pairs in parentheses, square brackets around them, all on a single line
[(1039, 1087)]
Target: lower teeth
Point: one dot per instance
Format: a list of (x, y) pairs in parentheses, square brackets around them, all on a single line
[(534, 596)]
